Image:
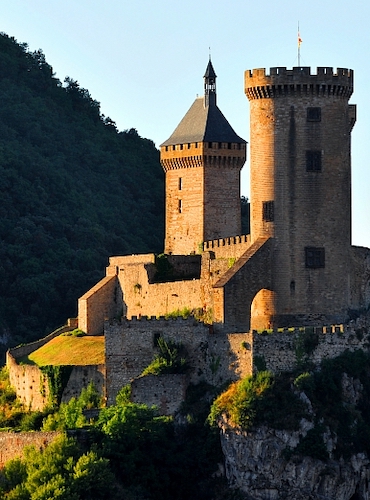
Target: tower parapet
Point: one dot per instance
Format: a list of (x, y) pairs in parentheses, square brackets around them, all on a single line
[(299, 80)]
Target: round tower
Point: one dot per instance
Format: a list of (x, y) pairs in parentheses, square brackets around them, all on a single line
[(301, 188), (202, 161)]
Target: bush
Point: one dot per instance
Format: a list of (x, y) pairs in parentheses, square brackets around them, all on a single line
[(170, 359)]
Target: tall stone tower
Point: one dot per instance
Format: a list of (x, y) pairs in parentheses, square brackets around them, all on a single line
[(202, 161), (301, 189)]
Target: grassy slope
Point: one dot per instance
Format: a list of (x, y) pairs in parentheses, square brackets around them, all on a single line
[(64, 350)]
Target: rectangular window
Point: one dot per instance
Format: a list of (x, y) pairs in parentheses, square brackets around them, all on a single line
[(210, 144), (180, 183), (313, 161), (180, 206), (314, 114), (315, 257), (268, 211)]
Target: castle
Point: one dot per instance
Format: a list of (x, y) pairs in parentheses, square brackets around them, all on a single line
[(296, 268)]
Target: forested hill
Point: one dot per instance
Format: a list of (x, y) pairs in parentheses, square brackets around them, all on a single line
[(73, 191)]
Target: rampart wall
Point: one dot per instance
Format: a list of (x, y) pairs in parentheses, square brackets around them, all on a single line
[(131, 347), (231, 247), (24, 350), (281, 350), (32, 388), (29, 383)]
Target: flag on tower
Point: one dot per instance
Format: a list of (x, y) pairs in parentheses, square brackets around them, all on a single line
[(299, 40)]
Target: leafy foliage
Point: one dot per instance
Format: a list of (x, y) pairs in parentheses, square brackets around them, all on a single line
[(240, 401), (71, 415), (69, 193), (59, 472), (170, 359)]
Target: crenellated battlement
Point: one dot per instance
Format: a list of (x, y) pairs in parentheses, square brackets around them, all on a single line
[(299, 80), (222, 242)]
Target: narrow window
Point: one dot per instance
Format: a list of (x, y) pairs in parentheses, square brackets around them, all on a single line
[(166, 148), (180, 206), (314, 114), (189, 145), (196, 144), (181, 146), (315, 257), (210, 144), (313, 161), (173, 148), (220, 145), (268, 211), (229, 145), (180, 183)]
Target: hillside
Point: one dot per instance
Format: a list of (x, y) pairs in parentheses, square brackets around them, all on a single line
[(73, 191)]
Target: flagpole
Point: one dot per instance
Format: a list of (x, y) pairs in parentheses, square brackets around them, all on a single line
[(299, 48)]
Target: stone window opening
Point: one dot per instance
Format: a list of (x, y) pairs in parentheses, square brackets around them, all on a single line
[(313, 161), (314, 257), (180, 183), (268, 211), (314, 114), (180, 206)]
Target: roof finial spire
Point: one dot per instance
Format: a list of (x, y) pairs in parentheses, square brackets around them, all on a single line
[(209, 84)]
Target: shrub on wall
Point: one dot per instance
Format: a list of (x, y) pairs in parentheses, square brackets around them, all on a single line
[(170, 359)]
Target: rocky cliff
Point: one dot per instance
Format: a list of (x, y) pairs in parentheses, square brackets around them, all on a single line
[(300, 435), (256, 464)]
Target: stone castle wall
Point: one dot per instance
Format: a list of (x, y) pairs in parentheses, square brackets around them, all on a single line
[(29, 383), (232, 247), (281, 350), (32, 388), (166, 392), (131, 347)]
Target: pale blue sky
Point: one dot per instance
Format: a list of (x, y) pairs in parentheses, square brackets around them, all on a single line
[(144, 60)]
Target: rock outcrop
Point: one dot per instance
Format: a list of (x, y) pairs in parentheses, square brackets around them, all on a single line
[(257, 463)]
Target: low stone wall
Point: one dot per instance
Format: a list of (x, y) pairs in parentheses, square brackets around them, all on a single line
[(12, 444), (25, 350)]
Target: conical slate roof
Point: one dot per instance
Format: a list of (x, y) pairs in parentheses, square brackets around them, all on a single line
[(204, 121), (201, 124)]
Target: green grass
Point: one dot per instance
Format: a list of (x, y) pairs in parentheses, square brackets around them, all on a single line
[(62, 350)]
